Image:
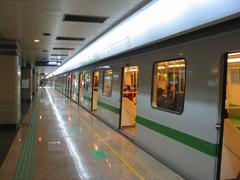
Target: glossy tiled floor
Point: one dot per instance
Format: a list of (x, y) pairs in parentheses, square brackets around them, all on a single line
[(70, 143)]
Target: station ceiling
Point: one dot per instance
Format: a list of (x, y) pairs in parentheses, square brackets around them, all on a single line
[(29, 20)]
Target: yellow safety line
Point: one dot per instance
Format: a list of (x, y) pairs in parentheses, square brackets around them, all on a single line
[(118, 155), (114, 151)]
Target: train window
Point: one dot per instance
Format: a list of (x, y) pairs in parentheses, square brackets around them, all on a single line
[(169, 85), (86, 81), (107, 82)]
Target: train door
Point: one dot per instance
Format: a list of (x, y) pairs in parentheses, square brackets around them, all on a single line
[(129, 100), (80, 84), (72, 86), (64, 84), (95, 90), (68, 86), (229, 163), (75, 84)]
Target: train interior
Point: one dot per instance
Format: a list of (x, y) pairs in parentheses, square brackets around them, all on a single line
[(230, 163), (80, 85), (74, 89), (95, 90), (68, 86), (169, 83), (129, 100)]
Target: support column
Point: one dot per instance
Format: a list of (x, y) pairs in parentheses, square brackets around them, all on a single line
[(34, 81), (26, 91), (10, 75)]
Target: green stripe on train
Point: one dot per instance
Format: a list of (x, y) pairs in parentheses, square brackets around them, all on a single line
[(104, 105), (109, 107), (87, 98), (194, 142)]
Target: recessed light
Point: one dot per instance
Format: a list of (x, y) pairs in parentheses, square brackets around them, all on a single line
[(59, 55), (84, 18), (70, 38), (62, 48), (36, 40), (46, 34)]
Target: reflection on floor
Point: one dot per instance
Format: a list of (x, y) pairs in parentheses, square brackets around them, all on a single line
[(131, 130), (70, 144), (7, 134), (6, 138), (24, 108)]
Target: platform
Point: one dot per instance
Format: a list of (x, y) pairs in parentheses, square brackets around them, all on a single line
[(60, 140)]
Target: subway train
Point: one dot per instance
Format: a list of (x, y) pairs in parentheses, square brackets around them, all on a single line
[(178, 99)]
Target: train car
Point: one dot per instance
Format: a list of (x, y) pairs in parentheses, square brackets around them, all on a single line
[(177, 99)]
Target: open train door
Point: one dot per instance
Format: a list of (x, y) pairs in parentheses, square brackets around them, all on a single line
[(69, 85), (95, 90), (80, 84), (129, 101), (229, 154)]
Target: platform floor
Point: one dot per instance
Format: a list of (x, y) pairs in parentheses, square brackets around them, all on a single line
[(60, 140)]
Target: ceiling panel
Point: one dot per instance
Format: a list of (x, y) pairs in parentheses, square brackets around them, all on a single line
[(26, 20)]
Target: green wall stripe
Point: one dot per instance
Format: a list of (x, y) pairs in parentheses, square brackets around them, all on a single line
[(25, 166), (109, 107), (104, 105), (87, 98), (194, 142)]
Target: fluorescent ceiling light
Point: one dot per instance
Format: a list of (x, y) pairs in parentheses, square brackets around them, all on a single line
[(159, 20), (36, 40), (234, 54), (233, 60)]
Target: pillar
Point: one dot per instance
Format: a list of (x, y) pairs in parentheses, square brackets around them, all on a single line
[(10, 76), (26, 91)]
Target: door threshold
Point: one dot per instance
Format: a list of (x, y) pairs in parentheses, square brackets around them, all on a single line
[(129, 136)]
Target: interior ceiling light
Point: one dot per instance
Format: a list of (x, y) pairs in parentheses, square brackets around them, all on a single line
[(157, 21), (36, 40), (234, 60)]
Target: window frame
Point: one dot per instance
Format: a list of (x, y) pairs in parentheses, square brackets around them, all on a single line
[(152, 85), (103, 82)]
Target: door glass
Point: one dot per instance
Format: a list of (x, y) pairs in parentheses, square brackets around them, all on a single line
[(69, 77), (75, 87), (230, 163), (129, 100), (95, 90), (80, 87)]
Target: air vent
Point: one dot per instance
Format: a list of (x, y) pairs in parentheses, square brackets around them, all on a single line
[(46, 34), (82, 18), (70, 38), (59, 55), (62, 48), (44, 50)]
